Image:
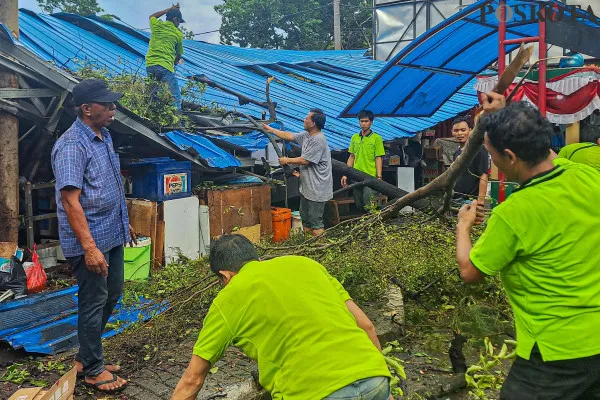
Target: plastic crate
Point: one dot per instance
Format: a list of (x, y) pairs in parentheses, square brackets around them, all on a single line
[(137, 263), (160, 179)]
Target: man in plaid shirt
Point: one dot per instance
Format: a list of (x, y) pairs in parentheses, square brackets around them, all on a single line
[(93, 223)]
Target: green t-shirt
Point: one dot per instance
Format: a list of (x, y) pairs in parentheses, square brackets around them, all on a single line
[(365, 150), (166, 42), (290, 315), (585, 153), (543, 240)]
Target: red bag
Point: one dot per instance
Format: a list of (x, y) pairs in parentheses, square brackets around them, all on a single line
[(36, 276)]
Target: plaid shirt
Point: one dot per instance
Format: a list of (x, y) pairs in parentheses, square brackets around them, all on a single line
[(82, 160)]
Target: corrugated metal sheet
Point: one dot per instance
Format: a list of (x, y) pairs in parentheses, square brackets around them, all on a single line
[(46, 323), (427, 73), (305, 79), (213, 154)]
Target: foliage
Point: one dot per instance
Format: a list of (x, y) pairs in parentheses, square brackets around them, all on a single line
[(80, 7), (485, 375), (145, 97), (395, 366), (15, 374), (291, 24), (187, 34)]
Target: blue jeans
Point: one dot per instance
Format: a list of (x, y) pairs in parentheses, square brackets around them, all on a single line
[(162, 74), (377, 388), (97, 297)]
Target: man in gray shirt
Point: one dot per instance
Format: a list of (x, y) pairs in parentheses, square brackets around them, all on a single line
[(316, 181)]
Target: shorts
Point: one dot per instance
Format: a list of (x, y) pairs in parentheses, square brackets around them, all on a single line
[(311, 213)]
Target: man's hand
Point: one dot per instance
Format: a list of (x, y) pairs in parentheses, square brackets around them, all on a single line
[(344, 181), (95, 262), (470, 214), (493, 101), (133, 237), (175, 6), (268, 128), (296, 173), (284, 160)]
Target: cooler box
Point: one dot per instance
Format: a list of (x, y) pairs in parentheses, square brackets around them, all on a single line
[(137, 262), (160, 179)]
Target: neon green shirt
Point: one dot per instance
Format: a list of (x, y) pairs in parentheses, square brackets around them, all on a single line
[(365, 150), (290, 315), (585, 153), (543, 240), (166, 42)]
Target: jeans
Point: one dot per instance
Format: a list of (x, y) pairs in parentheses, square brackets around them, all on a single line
[(535, 379), (97, 297), (162, 74), (377, 388)]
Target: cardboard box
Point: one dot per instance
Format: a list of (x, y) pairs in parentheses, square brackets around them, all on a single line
[(63, 389)]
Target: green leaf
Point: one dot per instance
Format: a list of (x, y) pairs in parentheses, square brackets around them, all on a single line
[(420, 354), (214, 370)]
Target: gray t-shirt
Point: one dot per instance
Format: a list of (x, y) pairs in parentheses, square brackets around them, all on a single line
[(316, 181)]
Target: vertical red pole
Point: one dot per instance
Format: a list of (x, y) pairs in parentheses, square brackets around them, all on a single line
[(501, 68), (542, 65)]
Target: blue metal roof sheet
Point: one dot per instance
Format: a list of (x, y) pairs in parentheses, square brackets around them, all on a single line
[(46, 323), (427, 73), (213, 154), (305, 79)]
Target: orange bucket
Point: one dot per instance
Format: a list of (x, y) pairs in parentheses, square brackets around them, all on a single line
[(282, 223)]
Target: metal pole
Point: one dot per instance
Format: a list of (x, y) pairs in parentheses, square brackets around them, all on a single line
[(337, 35), (501, 68), (542, 57), (9, 141)]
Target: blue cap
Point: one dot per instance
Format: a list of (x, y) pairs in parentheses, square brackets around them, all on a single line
[(174, 12)]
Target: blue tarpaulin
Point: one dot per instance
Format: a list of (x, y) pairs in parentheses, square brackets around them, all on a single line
[(46, 323)]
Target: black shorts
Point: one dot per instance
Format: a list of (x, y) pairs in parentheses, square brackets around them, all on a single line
[(534, 379), (311, 213)]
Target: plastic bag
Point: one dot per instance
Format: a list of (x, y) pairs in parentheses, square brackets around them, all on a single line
[(12, 277), (36, 276)]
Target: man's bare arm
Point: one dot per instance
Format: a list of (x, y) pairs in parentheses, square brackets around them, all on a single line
[(192, 380), (363, 322)]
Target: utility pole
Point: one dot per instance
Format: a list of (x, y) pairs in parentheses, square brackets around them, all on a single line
[(337, 35), (9, 142)]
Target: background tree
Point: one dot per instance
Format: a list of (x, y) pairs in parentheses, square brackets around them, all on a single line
[(81, 7), (187, 34), (293, 24)]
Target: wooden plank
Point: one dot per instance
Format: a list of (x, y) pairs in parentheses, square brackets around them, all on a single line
[(215, 207), (158, 245), (142, 216), (266, 223)]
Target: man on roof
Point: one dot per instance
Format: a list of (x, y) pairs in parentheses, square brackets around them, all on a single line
[(165, 49)]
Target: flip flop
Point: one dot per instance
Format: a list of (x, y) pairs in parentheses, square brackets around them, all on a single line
[(81, 375), (96, 386)]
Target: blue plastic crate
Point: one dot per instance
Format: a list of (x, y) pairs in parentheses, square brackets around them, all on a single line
[(160, 179)]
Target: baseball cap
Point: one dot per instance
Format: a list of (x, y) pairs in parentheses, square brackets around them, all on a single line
[(174, 12), (93, 91)]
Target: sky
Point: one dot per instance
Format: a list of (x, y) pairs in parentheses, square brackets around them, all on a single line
[(199, 15)]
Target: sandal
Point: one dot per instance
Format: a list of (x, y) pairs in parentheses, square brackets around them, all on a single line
[(96, 386), (81, 375)]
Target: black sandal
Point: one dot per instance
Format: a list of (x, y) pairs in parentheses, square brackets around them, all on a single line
[(96, 386), (81, 375)]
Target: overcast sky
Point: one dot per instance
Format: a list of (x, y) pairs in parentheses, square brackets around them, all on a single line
[(199, 15)]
